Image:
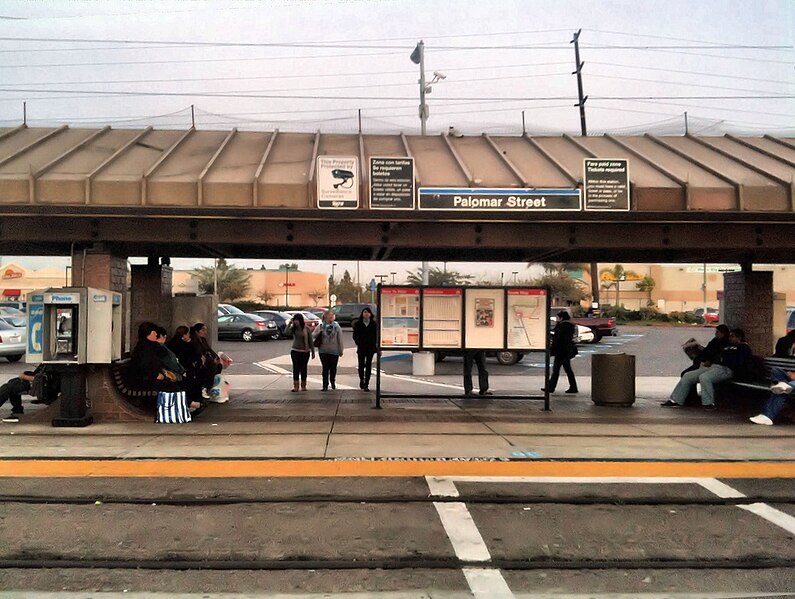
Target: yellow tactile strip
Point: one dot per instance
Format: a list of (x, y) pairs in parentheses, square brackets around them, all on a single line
[(367, 468)]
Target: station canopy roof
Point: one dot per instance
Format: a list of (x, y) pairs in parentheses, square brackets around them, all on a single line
[(203, 168)]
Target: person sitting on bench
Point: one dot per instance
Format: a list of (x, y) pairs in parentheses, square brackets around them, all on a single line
[(780, 392)]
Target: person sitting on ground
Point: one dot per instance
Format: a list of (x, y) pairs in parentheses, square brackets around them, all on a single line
[(780, 392), (733, 362), (14, 389), (710, 353), (784, 345)]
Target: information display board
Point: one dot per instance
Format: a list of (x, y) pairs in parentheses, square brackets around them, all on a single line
[(400, 317), (391, 183), (484, 313), (527, 319), (441, 317), (606, 184)]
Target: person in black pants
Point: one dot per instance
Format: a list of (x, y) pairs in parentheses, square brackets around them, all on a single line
[(479, 359), (13, 390), (563, 349), (365, 336)]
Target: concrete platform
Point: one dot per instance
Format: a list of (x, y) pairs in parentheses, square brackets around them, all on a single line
[(264, 420)]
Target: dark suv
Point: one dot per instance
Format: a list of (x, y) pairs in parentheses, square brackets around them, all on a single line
[(347, 313)]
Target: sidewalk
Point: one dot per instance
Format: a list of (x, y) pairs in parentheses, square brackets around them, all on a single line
[(264, 420)]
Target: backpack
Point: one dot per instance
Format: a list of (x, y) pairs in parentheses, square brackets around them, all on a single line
[(46, 386)]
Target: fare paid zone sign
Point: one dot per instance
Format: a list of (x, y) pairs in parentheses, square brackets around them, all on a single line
[(606, 183), (507, 200), (391, 183)]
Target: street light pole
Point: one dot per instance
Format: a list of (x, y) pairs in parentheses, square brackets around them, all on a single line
[(418, 57), (514, 273), (393, 277), (286, 286)]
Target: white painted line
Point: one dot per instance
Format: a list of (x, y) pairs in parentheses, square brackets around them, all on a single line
[(405, 377), (573, 479), (771, 514), (720, 489), (441, 486), (272, 368), (487, 583), (462, 532)]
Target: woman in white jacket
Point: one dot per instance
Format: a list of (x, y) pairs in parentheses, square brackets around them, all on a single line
[(328, 341)]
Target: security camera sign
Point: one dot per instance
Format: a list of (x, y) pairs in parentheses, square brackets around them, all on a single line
[(337, 182)]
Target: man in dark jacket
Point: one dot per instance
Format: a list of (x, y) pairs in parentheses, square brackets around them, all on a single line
[(712, 352), (563, 349), (365, 336), (145, 370)]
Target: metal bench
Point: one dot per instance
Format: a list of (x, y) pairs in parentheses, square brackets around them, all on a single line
[(762, 382), (135, 396)]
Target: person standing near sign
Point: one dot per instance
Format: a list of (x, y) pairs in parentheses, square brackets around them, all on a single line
[(479, 359), (365, 336), (563, 349), (328, 341)]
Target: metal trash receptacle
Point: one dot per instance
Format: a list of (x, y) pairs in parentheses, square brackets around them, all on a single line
[(613, 379)]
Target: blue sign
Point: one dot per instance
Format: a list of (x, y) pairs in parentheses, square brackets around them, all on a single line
[(499, 200), (35, 328)]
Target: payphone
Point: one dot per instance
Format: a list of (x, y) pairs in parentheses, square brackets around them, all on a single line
[(69, 328)]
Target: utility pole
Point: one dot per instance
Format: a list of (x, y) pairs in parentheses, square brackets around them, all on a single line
[(578, 66), (687, 129)]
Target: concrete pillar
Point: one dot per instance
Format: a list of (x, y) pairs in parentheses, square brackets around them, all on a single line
[(150, 296), (188, 310), (98, 267), (748, 304)]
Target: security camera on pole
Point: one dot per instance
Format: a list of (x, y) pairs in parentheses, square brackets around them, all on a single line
[(418, 57)]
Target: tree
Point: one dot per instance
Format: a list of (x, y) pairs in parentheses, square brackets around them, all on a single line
[(233, 282), (316, 295), (438, 277), (646, 284), (285, 266), (563, 288), (265, 296), (563, 268), (346, 290), (612, 277)]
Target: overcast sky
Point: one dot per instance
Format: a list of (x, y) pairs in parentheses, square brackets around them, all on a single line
[(311, 65)]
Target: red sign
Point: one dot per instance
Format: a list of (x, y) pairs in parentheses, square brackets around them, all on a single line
[(442, 291), (400, 290), (527, 291)]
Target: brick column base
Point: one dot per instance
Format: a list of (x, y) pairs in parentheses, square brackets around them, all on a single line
[(748, 304)]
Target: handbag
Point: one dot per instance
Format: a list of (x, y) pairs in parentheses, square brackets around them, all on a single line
[(219, 393), (573, 350), (172, 408)]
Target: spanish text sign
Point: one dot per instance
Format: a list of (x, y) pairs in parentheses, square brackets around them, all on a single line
[(391, 183), (337, 182), (606, 183), (500, 200)]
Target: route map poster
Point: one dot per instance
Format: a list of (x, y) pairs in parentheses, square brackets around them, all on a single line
[(400, 317), (527, 316), (484, 311), (441, 318)]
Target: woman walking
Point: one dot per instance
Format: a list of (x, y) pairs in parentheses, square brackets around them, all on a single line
[(301, 350), (328, 341), (365, 336)]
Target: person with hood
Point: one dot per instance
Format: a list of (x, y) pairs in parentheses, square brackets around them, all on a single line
[(365, 336), (328, 341)]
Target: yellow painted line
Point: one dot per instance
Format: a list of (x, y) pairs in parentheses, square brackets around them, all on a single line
[(354, 468)]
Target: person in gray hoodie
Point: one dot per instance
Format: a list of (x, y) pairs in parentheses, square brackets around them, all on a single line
[(328, 341)]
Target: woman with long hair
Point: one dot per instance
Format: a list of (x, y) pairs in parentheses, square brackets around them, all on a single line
[(365, 336), (210, 361), (300, 351), (328, 339), (191, 359)]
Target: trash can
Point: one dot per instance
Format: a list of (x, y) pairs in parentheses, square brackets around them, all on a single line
[(613, 379)]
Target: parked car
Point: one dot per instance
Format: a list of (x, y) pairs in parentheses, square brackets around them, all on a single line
[(601, 326), (21, 306), (347, 313), (312, 321), (319, 312), (228, 309), (246, 327), (15, 321), (12, 342), (8, 311), (280, 318), (504, 357)]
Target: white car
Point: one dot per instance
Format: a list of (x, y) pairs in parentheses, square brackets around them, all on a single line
[(583, 335), (12, 342)]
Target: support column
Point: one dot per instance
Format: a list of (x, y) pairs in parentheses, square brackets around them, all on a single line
[(748, 304), (150, 295)]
